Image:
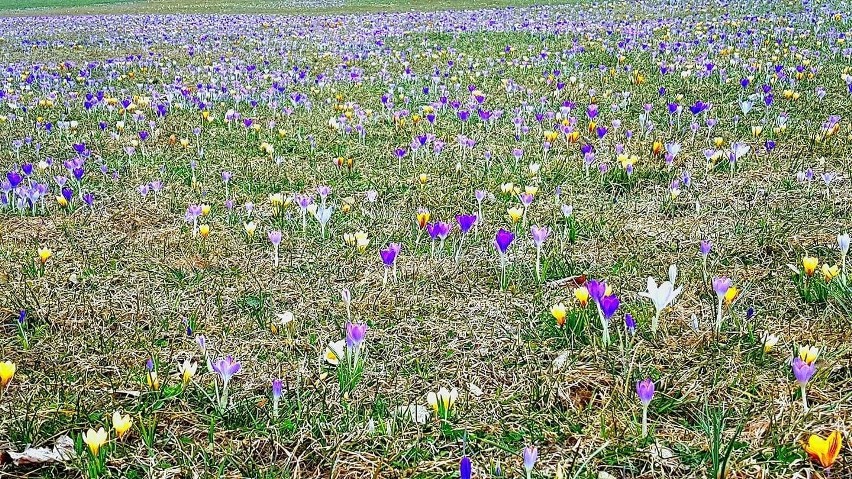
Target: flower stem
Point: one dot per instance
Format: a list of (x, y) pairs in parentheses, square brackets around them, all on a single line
[(804, 397), (644, 421)]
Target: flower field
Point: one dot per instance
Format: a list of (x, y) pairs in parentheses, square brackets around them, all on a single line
[(543, 241)]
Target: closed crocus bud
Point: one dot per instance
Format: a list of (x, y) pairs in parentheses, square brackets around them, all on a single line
[(843, 242)]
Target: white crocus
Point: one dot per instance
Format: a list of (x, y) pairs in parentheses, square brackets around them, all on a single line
[(334, 351), (661, 295)]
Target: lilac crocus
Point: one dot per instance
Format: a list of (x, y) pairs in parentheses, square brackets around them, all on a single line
[(355, 334), (503, 239), (388, 256), (645, 391), (465, 222), (275, 239), (277, 393), (720, 286), (539, 235), (226, 368), (530, 455), (597, 289), (803, 371)]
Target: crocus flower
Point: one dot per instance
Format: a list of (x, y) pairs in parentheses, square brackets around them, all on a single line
[(502, 240), (277, 392), (596, 289), (609, 305), (465, 222), (465, 468), (95, 440), (705, 252), (187, 370), (630, 323), (808, 354), (355, 334), (442, 402), (388, 256), (275, 239), (120, 423), (645, 391), (334, 351), (530, 455), (803, 371), (809, 263), (559, 313), (582, 295), (539, 235), (226, 368), (721, 285), (7, 371), (44, 254), (769, 341), (662, 296), (824, 451)]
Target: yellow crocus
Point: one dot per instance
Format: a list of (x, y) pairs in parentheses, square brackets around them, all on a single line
[(810, 264), (731, 295), (423, 216), (152, 380), (515, 214), (204, 230), (44, 254), (423, 178), (7, 370), (808, 354), (205, 210), (95, 440), (442, 402), (824, 451), (829, 272), (582, 295), (559, 312), (531, 190), (120, 423), (507, 188)]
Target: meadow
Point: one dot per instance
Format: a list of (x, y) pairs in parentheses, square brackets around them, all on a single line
[(360, 239)]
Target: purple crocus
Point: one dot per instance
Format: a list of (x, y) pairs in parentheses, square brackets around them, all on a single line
[(355, 334), (274, 237), (609, 305), (277, 393), (803, 371), (388, 256), (465, 468), (465, 222), (705, 247), (630, 323), (721, 286), (645, 391), (226, 368), (503, 239), (597, 289)]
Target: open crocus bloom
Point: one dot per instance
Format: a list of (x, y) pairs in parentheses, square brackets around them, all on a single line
[(664, 294), (824, 451), (334, 351), (443, 401)]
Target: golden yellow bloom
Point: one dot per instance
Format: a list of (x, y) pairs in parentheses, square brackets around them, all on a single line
[(204, 230), (756, 130), (120, 423), (810, 264), (824, 451), (44, 254), (808, 354), (423, 178), (61, 201), (559, 312), (657, 147), (829, 273), (205, 210), (582, 295), (718, 141), (95, 440), (276, 199), (515, 214), (731, 295), (550, 136), (7, 370)]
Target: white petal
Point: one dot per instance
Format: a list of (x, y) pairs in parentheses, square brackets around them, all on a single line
[(673, 274)]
